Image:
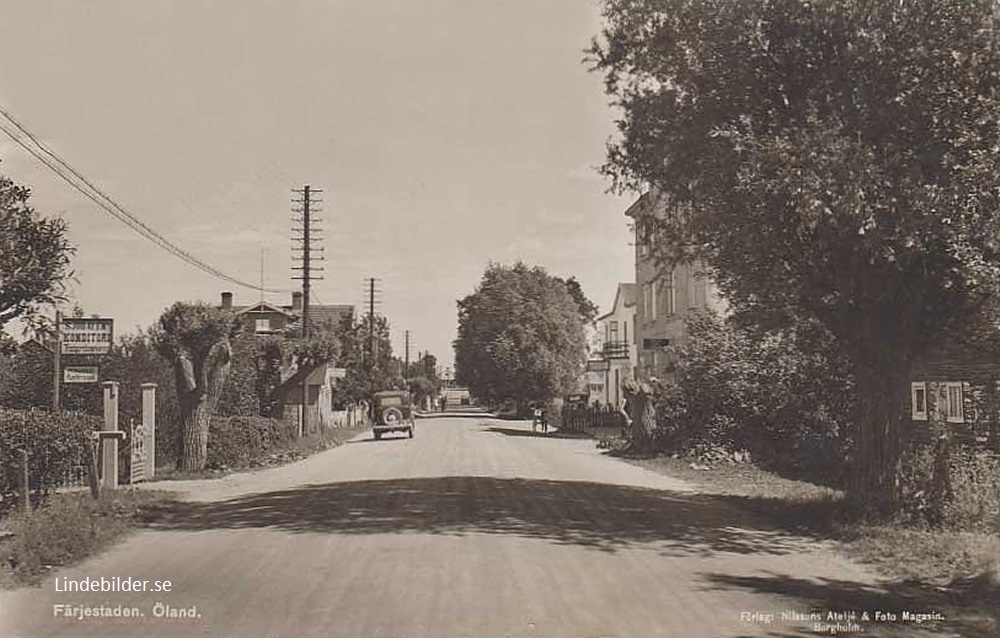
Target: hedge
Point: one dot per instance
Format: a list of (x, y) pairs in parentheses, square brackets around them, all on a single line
[(56, 444)]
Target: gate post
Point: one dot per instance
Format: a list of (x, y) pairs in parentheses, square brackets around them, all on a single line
[(109, 453), (149, 425)]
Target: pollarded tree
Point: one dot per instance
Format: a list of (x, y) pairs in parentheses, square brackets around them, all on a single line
[(520, 336), (830, 161), (34, 255), (195, 338)]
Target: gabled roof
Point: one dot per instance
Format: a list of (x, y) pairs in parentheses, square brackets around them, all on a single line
[(262, 306), (624, 296), (322, 315)]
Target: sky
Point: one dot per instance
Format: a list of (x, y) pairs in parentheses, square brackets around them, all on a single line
[(444, 134)]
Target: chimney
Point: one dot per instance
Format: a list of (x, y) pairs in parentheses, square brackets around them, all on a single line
[(297, 302), (227, 301)]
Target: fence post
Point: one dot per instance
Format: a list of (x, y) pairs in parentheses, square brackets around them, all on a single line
[(149, 425), (109, 447)]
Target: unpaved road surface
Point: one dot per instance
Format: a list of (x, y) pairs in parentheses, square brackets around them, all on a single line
[(474, 528)]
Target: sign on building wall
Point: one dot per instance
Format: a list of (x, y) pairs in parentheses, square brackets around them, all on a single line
[(87, 336), (598, 365), (80, 374)]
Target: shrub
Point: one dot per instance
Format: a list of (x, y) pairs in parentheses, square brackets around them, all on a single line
[(234, 441), (55, 443), (781, 395), (972, 501)]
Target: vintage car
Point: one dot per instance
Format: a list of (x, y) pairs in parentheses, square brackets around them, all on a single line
[(392, 411)]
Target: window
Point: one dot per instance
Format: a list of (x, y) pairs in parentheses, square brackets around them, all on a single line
[(263, 325), (652, 300), (614, 331), (918, 401), (625, 327), (953, 411), (671, 298)]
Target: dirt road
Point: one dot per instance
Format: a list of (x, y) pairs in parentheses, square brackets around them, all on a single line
[(473, 528)]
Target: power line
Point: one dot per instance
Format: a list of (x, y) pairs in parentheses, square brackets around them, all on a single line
[(57, 165)]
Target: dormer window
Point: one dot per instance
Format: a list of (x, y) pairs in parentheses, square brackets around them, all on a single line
[(262, 325)]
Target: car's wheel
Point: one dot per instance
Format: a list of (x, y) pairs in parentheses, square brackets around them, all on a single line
[(391, 416)]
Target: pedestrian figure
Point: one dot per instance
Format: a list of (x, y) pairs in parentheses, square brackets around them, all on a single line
[(536, 417)]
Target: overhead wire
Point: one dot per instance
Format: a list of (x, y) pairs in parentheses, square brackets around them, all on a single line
[(57, 165)]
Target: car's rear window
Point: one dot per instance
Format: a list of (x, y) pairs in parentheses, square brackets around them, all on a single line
[(391, 401)]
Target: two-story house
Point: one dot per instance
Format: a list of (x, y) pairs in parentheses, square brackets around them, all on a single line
[(663, 296), (265, 318), (618, 352)]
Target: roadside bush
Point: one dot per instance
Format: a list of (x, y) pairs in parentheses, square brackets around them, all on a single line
[(975, 491), (235, 441), (780, 395), (56, 444), (972, 501)]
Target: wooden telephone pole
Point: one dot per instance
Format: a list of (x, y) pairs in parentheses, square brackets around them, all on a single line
[(306, 233)]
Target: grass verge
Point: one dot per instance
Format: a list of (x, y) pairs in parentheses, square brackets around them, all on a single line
[(935, 566), (68, 528)]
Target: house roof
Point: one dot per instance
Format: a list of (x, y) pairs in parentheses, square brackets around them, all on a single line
[(322, 315), (262, 306), (625, 294)]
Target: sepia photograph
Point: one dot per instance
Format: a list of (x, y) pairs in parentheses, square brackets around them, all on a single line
[(499, 318)]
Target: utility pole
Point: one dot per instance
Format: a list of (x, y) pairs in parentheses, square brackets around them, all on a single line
[(305, 234), (308, 233), (406, 361), (371, 292)]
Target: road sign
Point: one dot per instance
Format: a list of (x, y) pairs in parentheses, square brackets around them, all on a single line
[(80, 374), (86, 336), (338, 373)]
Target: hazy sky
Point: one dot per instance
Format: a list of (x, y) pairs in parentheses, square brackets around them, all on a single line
[(445, 134)]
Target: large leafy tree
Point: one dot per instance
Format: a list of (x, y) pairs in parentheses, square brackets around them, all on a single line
[(520, 336), (34, 255), (195, 338), (830, 161), (366, 354)]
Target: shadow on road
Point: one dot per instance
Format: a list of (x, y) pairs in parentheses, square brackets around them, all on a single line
[(966, 612), (594, 515), (551, 434)]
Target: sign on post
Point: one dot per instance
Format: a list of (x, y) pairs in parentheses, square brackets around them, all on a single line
[(87, 336), (80, 374)]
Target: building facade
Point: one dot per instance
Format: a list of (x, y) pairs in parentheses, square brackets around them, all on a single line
[(663, 297), (617, 356)]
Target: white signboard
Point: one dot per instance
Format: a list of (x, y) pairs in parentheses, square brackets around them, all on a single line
[(80, 374), (87, 336), (338, 373)]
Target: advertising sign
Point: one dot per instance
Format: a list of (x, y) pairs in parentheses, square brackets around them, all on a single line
[(80, 374), (87, 336)]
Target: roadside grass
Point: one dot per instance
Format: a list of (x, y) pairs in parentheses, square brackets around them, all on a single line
[(938, 558), (66, 529)]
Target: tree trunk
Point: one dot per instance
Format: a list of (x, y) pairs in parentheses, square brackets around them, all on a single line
[(880, 410), (198, 403)]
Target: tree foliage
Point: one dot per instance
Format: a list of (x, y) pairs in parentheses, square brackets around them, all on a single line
[(366, 353), (34, 255), (782, 395), (520, 336), (829, 161)]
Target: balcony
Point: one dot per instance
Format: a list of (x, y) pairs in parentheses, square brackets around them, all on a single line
[(615, 350)]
